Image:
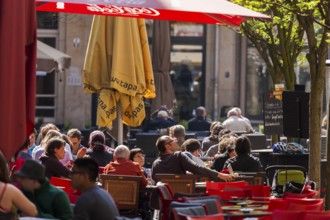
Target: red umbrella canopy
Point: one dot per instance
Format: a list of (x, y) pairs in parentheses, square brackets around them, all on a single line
[(200, 11)]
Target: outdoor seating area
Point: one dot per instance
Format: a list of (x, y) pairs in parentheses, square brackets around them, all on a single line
[(177, 197), (164, 110), (231, 200), (187, 196)]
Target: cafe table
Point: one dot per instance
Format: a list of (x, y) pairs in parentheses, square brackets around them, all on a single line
[(245, 214), (244, 208)]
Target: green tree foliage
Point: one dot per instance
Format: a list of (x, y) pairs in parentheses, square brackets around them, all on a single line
[(280, 42)]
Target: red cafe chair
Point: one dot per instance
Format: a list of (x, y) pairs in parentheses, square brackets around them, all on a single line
[(231, 193), (161, 199), (65, 185), (256, 190), (303, 201), (212, 205), (286, 215), (216, 186), (305, 207), (305, 194), (316, 215), (219, 216), (181, 213), (274, 204)]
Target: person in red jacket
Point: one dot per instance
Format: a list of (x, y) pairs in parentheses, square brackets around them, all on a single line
[(123, 166)]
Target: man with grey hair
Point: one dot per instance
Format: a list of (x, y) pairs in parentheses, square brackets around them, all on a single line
[(199, 122), (123, 166), (236, 124), (162, 121), (238, 110)]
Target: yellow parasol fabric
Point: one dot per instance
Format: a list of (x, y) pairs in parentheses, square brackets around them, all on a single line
[(118, 66)]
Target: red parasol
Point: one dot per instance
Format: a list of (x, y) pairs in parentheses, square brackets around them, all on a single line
[(201, 11)]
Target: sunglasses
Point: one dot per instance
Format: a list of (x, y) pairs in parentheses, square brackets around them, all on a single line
[(170, 141)]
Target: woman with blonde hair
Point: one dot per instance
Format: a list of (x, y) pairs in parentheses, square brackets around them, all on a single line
[(41, 149), (11, 197)]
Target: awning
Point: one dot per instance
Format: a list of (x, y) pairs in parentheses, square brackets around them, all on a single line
[(49, 58), (201, 11)]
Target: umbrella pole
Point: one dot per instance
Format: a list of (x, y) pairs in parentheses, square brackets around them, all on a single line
[(120, 125), (216, 74)]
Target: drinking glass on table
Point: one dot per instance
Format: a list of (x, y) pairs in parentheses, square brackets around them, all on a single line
[(149, 178)]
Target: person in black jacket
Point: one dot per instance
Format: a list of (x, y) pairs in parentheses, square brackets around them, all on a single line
[(54, 152), (199, 122), (244, 161)]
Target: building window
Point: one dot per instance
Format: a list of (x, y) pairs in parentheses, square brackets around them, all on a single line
[(47, 20), (258, 82), (186, 75), (187, 69), (45, 94), (47, 23)]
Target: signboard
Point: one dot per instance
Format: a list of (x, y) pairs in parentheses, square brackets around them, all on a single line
[(273, 115), (296, 114), (74, 79)]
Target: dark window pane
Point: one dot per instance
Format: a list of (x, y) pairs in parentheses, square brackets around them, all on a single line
[(45, 113), (45, 84), (50, 41), (45, 101), (186, 72), (47, 20)]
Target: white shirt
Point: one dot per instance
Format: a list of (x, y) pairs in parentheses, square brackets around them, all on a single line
[(235, 123)]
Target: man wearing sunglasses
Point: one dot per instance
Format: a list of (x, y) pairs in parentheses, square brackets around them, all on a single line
[(173, 161)]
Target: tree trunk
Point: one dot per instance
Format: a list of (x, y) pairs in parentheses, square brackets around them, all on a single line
[(327, 174), (316, 57), (315, 106)]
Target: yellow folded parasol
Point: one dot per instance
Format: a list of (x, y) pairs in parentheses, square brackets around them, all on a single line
[(118, 66)]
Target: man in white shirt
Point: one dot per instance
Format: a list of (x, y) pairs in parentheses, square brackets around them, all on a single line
[(236, 124), (239, 112)]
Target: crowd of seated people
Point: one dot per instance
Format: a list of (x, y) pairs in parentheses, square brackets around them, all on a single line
[(62, 156), (172, 160), (53, 157)]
